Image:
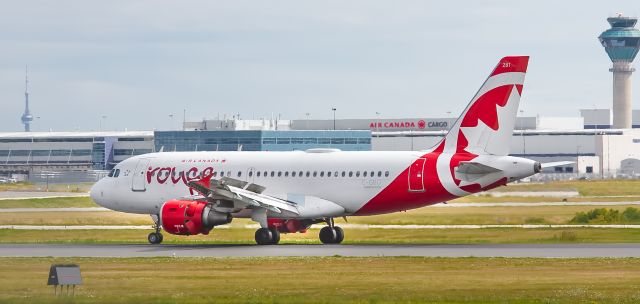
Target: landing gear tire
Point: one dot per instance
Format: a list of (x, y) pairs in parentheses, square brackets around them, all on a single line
[(275, 236), (331, 235), (264, 236), (155, 238), (339, 234)]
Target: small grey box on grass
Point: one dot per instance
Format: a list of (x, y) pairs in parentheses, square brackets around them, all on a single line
[(64, 275)]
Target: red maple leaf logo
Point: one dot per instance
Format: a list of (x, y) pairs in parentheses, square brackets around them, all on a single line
[(422, 124)]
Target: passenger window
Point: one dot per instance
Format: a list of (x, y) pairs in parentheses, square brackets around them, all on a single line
[(258, 174), (364, 174), (293, 173), (239, 173), (386, 173), (350, 173), (335, 174), (343, 173), (265, 173), (357, 173), (286, 173), (215, 174), (300, 174), (379, 173), (308, 173), (279, 173), (372, 173), (272, 173), (221, 173), (250, 173)]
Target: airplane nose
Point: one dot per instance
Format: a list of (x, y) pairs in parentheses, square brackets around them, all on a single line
[(97, 193)]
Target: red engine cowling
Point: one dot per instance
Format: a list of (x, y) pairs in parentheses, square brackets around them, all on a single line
[(191, 217), (289, 226)]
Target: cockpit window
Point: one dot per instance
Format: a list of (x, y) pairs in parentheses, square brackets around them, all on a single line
[(111, 172), (117, 173)]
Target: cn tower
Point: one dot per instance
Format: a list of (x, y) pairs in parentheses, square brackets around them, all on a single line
[(26, 118), (621, 42)]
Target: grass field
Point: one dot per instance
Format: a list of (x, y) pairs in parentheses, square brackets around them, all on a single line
[(53, 202), (422, 216), (352, 236), (25, 186), (329, 280), (607, 187)]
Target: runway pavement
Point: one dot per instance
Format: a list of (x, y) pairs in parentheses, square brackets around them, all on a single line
[(439, 250)]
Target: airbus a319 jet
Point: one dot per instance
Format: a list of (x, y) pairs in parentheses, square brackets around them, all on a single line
[(189, 193)]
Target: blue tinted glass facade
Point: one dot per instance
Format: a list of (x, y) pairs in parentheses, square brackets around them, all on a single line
[(261, 140)]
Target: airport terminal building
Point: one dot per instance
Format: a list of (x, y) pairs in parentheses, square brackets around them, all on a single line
[(588, 140)]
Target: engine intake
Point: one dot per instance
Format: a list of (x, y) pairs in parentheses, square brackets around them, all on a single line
[(184, 217)]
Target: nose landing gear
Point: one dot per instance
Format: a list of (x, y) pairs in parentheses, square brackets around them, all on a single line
[(155, 237)]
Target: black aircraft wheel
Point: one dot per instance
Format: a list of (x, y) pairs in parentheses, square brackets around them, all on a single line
[(339, 234), (328, 235), (264, 236), (275, 236), (155, 238)]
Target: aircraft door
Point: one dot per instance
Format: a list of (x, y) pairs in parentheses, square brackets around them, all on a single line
[(138, 180), (416, 175)]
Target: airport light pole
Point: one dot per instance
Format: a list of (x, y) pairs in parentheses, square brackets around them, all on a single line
[(307, 114), (524, 143), (171, 118), (334, 118), (378, 124), (103, 117)]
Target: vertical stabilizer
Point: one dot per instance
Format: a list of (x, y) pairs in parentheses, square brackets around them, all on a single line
[(486, 125)]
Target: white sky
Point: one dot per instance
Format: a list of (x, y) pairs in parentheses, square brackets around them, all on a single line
[(136, 62)]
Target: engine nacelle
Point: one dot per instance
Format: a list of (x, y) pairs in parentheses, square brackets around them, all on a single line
[(184, 217), (289, 226)]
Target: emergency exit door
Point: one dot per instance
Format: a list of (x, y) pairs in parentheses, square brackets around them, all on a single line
[(416, 175)]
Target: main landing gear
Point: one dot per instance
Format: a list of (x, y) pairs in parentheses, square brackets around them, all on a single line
[(331, 234), (267, 236), (155, 237)]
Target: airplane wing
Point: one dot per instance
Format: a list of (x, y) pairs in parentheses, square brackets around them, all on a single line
[(240, 191)]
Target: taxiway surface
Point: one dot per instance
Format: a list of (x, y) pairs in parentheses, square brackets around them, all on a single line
[(439, 250)]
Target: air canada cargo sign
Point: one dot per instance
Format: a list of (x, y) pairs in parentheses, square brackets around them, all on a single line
[(397, 125)]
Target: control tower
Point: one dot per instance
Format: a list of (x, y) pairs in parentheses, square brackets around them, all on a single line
[(26, 118), (621, 42)]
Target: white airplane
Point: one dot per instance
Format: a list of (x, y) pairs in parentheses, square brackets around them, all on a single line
[(188, 193)]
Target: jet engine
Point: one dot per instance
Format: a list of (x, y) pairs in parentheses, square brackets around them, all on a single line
[(184, 217)]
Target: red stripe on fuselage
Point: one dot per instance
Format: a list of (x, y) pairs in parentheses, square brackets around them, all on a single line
[(397, 197)]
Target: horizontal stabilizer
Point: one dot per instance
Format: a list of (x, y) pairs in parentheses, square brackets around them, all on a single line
[(472, 171), (556, 164)]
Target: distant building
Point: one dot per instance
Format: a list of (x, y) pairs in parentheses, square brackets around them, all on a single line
[(267, 140), (81, 151)]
